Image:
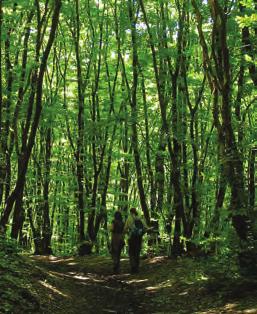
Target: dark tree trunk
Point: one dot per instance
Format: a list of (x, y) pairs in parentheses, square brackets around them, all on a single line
[(80, 119), (46, 227), (219, 77), (220, 196), (148, 149), (251, 178), (159, 173), (232, 156), (98, 152), (1, 84), (2, 160), (133, 103)]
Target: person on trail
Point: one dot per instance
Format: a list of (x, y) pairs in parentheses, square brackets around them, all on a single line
[(135, 227), (117, 241)]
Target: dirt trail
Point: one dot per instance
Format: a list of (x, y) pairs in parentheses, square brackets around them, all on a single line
[(86, 285), (186, 286)]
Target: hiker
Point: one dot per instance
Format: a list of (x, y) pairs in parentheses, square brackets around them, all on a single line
[(117, 241), (135, 227)]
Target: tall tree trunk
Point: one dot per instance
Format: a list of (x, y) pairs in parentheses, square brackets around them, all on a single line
[(2, 161), (251, 178), (124, 167), (219, 77), (233, 160), (134, 119), (97, 165), (46, 226), (148, 147), (80, 119), (160, 172)]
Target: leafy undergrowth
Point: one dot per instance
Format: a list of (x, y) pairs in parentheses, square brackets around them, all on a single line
[(17, 291), (86, 285)]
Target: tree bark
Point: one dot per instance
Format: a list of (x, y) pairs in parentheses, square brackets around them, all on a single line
[(80, 141), (219, 77), (133, 103), (251, 178)]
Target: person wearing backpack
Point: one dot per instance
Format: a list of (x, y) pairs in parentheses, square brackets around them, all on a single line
[(135, 227), (117, 241)]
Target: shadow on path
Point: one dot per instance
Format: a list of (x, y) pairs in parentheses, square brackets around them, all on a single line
[(184, 286), (86, 285)]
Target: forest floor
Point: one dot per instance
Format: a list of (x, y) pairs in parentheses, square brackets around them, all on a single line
[(86, 285)]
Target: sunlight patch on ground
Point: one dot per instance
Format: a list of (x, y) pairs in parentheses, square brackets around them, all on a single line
[(81, 277), (164, 284), (54, 275), (58, 274), (93, 278), (183, 293), (151, 288), (53, 258), (202, 277), (157, 259), (137, 280), (52, 288), (250, 311), (231, 306), (60, 260)]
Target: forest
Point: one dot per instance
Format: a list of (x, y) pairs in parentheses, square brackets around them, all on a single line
[(107, 105)]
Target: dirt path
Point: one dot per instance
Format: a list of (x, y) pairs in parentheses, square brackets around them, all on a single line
[(86, 285)]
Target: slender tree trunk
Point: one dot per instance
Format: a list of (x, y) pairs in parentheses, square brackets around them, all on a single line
[(219, 78), (35, 233), (97, 165), (1, 73), (148, 148), (160, 172), (220, 197), (176, 156), (2, 161), (80, 141), (233, 160), (251, 178), (46, 227), (124, 167), (134, 136)]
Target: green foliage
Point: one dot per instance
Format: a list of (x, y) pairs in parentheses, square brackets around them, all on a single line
[(169, 70), (8, 246), (247, 20)]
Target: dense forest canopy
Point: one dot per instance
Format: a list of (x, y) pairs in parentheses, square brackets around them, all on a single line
[(109, 104)]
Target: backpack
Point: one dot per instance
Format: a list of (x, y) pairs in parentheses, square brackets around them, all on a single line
[(138, 229)]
